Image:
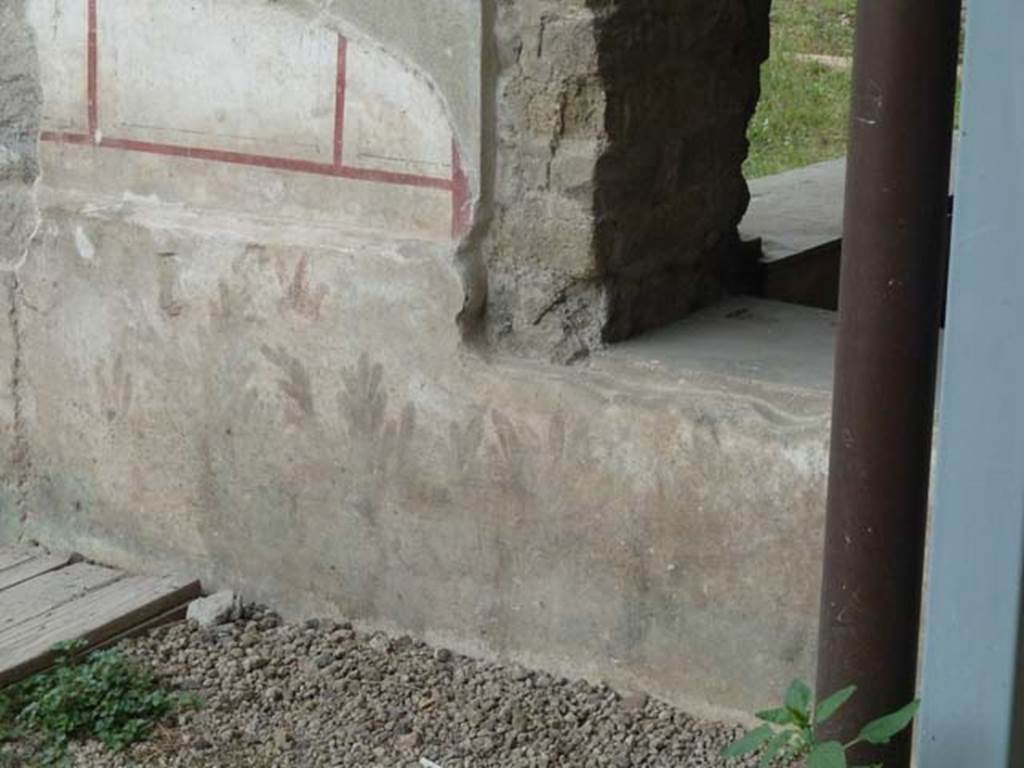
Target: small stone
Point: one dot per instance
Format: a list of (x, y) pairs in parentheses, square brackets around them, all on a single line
[(252, 663), (313, 624), (408, 741), (380, 643), (483, 745), (342, 635), (273, 694), (443, 655), (519, 673), (324, 660), (634, 702), (282, 739), (219, 608)]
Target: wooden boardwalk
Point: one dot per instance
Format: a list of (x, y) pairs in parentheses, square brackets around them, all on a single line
[(47, 599)]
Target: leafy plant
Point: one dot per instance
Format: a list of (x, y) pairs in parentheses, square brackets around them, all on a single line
[(103, 695), (788, 732)]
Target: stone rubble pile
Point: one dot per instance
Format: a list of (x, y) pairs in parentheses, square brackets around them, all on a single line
[(322, 694)]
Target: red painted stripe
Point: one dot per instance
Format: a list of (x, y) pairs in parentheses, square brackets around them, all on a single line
[(277, 163), (92, 87), (339, 100), (460, 195), (65, 138), (392, 177), (217, 155)]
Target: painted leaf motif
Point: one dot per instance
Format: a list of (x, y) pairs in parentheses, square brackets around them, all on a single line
[(828, 755)]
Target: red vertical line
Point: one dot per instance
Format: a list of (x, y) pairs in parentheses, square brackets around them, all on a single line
[(460, 194), (339, 100), (92, 85)]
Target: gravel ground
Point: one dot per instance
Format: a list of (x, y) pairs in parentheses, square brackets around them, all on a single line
[(321, 694)]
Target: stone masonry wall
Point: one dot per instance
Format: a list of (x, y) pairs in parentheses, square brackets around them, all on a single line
[(621, 135)]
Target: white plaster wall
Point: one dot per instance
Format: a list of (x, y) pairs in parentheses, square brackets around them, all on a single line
[(393, 123), (234, 75), (265, 109), (443, 39), (61, 42)]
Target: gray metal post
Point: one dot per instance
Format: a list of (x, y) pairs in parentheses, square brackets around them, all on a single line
[(971, 712)]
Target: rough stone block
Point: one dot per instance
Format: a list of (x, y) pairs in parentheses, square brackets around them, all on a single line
[(659, 93), (219, 608)]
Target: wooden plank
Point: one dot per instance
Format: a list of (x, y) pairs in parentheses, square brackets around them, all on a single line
[(30, 569), (176, 614), (10, 557), (51, 590), (94, 617), (173, 616)]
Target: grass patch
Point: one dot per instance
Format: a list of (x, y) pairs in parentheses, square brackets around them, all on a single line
[(801, 118), (103, 696), (803, 113), (813, 26)]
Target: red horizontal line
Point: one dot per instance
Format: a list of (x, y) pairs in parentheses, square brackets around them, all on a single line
[(259, 161), (65, 138), (460, 194), (278, 163), (391, 177)]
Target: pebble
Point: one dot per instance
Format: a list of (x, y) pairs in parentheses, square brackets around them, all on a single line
[(324, 660), (380, 643), (634, 701)]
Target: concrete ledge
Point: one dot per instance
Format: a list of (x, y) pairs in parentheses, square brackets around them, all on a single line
[(745, 340), (797, 217), (796, 211)]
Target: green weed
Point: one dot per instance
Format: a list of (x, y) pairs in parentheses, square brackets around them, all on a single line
[(103, 695), (787, 733)]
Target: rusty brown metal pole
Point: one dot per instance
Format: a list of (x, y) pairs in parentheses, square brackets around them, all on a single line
[(897, 184)]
